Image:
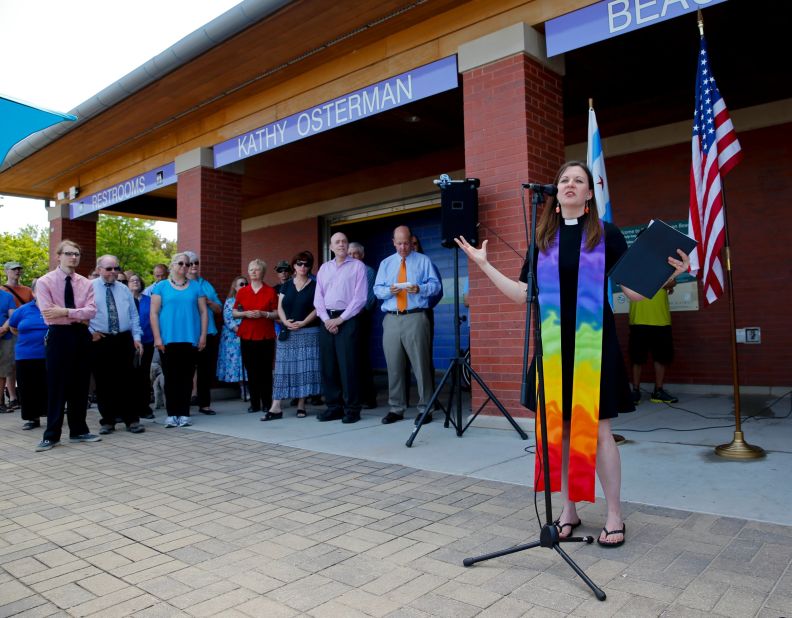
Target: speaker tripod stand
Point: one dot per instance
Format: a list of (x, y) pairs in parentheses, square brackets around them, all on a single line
[(549, 535), (454, 372)]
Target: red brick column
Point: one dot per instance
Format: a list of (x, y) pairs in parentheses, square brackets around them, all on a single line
[(280, 242), (208, 212), (513, 133), (82, 231)]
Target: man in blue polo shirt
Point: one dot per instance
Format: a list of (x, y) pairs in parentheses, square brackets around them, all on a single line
[(405, 282)]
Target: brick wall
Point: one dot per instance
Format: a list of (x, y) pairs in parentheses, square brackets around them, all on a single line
[(209, 222), (513, 133), (758, 193), (81, 231), (280, 242)]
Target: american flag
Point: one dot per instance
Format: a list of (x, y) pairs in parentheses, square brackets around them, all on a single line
[(715, 152)]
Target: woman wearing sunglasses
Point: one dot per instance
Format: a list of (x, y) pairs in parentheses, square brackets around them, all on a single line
[(179, 321), (229, 358), (297, 371)]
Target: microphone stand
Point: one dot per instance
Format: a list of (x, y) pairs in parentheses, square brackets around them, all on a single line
[(549, 533)]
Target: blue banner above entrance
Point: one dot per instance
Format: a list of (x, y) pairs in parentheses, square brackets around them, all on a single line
[(126, 190), (419, 83), (610, 18)]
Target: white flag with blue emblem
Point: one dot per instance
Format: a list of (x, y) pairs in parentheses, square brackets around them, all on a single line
[(595, 159)]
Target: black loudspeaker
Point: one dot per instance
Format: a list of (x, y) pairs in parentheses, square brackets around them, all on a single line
[(459, 211)]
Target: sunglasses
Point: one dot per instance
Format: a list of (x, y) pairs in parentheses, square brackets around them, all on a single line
[(300, 263), (182, 263), (242, 284), (195, 263), (111, 268), (72, 253)]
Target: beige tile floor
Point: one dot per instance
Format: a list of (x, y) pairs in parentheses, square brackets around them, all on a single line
[(191, 522)]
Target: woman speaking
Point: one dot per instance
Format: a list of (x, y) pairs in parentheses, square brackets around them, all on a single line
[(586, 384)]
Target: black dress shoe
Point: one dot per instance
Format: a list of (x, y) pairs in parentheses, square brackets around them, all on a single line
[(427, 419), (392, 417), (208, 411), (327, 415), (31, 425), (350, 417), (252, 410)]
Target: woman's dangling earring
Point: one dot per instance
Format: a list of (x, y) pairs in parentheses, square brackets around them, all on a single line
[(558, 208), (586, 209)]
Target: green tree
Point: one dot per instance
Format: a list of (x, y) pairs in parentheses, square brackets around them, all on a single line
[(30, 247), (134, 242)]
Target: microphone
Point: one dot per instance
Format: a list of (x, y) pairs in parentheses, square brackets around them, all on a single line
[(537, 188)]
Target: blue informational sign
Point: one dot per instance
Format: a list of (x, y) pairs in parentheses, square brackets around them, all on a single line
[(126, 190), (610, 18), (419, 83)]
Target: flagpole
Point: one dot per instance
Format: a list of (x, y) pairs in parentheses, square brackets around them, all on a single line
[(738, 448), (617, 437)]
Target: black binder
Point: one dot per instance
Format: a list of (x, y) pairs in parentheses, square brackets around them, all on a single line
[(644, 266)]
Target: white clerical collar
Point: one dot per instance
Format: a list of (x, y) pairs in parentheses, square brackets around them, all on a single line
[(571, 221)]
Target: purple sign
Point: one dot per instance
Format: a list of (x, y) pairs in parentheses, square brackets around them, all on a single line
[(126, 190), (610, 18), (394, 92)]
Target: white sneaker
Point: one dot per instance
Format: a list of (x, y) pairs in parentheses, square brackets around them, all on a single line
[(171, 421), (184, 421)]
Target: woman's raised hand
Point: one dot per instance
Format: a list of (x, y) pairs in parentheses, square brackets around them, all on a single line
[(479, 256)]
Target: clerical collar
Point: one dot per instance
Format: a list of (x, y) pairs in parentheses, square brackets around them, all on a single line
[(571, 221)]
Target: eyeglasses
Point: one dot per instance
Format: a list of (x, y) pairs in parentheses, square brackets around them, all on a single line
[(300, 263), (182, 263), (195, 263), (72, 253), (111, 268)]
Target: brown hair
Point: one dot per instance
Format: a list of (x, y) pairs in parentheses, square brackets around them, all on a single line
[(303, 256), (232, 290), (550, 220), (65, 243)]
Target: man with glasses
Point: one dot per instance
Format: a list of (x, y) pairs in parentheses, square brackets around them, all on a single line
[(116, 333), (67, 304), (207, 358), (160, 273)]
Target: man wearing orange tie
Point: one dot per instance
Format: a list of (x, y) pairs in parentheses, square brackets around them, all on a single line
[(404, 283)]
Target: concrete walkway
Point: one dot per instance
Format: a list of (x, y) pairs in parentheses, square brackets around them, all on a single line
[(235, 517)]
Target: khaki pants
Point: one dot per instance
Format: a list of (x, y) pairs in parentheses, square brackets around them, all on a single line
[(403, 337)]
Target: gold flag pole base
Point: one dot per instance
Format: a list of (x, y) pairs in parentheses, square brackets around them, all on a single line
[(739, 449)]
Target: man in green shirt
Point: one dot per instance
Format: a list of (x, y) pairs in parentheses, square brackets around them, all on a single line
[(650, 331)]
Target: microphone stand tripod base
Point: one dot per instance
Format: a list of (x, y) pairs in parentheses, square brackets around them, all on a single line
[(738, 448)]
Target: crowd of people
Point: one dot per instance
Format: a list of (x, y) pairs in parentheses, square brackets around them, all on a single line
[(309, 336), (68, 338)]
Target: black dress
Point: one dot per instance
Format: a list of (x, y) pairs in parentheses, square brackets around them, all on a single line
[(614, 385)]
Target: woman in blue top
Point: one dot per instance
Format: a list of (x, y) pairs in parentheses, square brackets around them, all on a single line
[(141, 382), (179, 321), (31, 368)]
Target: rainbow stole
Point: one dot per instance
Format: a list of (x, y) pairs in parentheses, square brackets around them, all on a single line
[(587, 369)]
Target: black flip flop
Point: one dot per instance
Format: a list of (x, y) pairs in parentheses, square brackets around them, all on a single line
[(557, 523), (609, 532), (272, 416), (301, 414)]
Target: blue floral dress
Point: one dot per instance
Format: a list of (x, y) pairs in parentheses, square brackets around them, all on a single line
[(229, 357)]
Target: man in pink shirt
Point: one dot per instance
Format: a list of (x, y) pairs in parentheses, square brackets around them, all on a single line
[(66, 301), (341, 293)]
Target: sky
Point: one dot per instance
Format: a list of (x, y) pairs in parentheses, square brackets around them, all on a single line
[(57, 54)]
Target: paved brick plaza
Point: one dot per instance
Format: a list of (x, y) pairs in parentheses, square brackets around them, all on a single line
[(187, 523)]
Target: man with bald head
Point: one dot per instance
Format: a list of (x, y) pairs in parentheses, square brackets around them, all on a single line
[(115, 334), (405, 282), (341, 291)]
